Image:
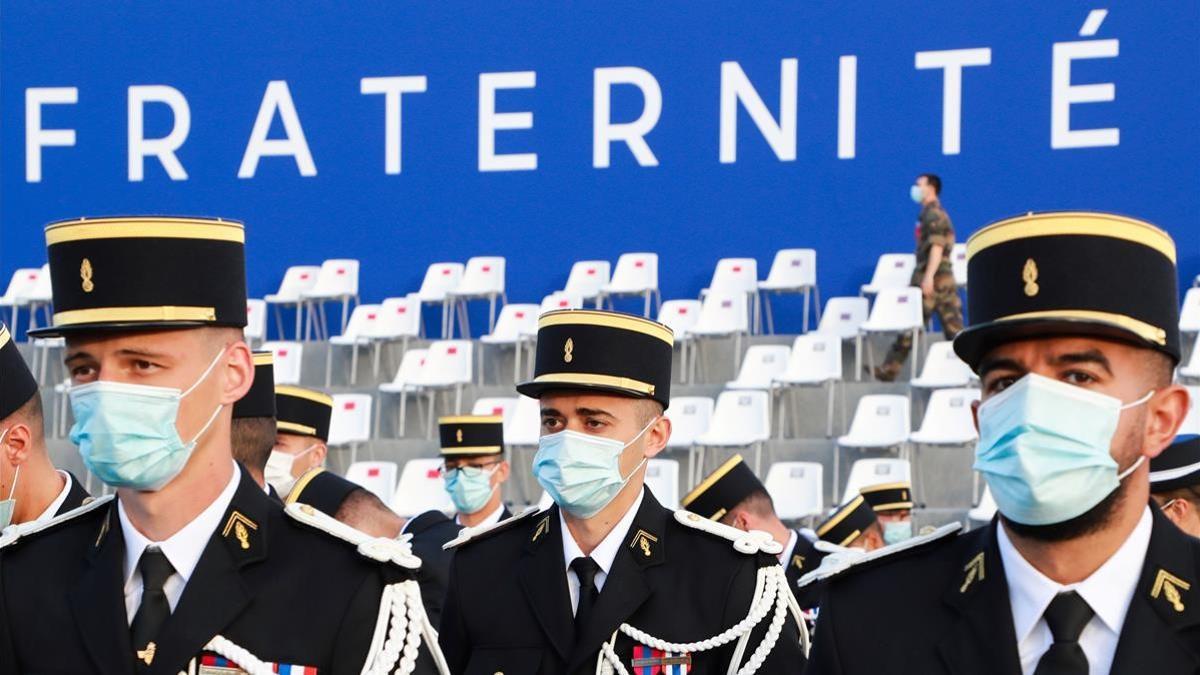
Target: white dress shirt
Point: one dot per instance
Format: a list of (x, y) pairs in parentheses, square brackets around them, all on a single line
[(1108, 591), (786, 555), (604, 555), (492, 519), (58, 501), (183, 549)]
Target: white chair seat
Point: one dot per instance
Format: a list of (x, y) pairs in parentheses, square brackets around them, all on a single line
[(948, 419)]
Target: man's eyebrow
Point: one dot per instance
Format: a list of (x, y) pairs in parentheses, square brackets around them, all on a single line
[(593, 412), (551, 412), (1094, 356), (998, 363)]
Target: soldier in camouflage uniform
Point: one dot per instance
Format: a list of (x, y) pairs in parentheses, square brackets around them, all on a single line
[(933, 273)]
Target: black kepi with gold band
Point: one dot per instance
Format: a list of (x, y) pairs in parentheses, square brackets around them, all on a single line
[(145, 272), (303, 412), (466, 435), (888, 497), (17, 385), (722, 489), (1071, 273), (260, 400), (602, 351), (848, 522)]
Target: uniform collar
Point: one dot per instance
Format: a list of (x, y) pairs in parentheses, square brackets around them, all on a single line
[(55, 505), (493, 517), (786, 555), (606, 551)]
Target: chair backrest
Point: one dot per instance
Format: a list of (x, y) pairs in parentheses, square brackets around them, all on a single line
[(892, 270), (41, 290), (689, 417), (958, 263), (587, 277), (447, 362), (484, 275), (662, 477), (364, 322), (948, 418), (287, 356), (761, 366), (377, 477), (880, 420), (634, 273), (525, 426), (867, 472), (22, 283), (797, 488), (296, 280), (440, 279), (896, 309), (734, 275), (338, 278), (421, 489), (679, 315), (943, 368), (411, 367), (351, 419), (739, 418), (815, 358), (1189, 313), (504, 406), (515, 321), (398, 317), (723, 313), (256, 319), (560, 300), (843, 316), (793, 268)]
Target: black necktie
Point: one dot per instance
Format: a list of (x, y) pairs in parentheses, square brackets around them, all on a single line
[(155, 609), (585, 569), (1067, 615)]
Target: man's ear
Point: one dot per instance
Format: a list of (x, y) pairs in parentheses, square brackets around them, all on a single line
[(1165, 413), (975, 414), (503, 469), (239, 372), (657, 436), (320, 452), (18, 444)]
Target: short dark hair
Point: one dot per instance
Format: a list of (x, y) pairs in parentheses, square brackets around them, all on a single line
[(253, 438), (758, 502), (934, 181), (364, 511)]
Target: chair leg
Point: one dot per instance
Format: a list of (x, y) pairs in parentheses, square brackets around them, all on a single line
[(807, 298), (837, 472), (817, 303), (345, 311), (829, 409), (401, 429), (858, 357), (758, 451), (458, 392), (646, 308), (328, 365), (491, 313), (354, 364), (430, 415), (378, 346), (766, 300)]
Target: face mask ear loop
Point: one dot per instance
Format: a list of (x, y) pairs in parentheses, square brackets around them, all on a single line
[(1140, 401), (16, 474), (207, 424), (204, 376), (1121, 476), (644, 430)]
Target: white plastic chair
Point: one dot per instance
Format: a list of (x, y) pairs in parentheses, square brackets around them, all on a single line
[(421, 489), (844, 316), (896, 310), (635, 274), (483, 279), (880, 421), (296, 280), (662, 477), (760, 367), (504, 406), (378, 478), (588, 279), (337, 281), (404, 383), (20, 286), (797, 488), (399, 321), (680, 316), (794, 270), (815, 360), (440, 279), (256, 320), (892, 270), (721, 315), (690, 417), (558, 300), (288, 358), (521, 433), (448, 366), (943, 369), (1191, 369), (516, 324), (868, 472), (958, 263), (948, 419), (357, 334), (737, 275), (350, 422), (740, 419), (40, 296), (985, 510), (1189, 313)]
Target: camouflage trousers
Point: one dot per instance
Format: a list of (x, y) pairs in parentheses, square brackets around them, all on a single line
[(948, 306)]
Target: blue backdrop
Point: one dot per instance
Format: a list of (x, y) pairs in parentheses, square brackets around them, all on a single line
[(691, 208)]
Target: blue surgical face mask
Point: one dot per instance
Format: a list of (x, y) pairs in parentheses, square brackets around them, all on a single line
[(582, 472), (916, 193), (126, 433), (1044, 449), (8, 506), (470, 487), (897, 531)]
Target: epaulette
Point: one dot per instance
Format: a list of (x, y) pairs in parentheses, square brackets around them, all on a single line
[(13, 533), (382, 549), (469, 534), (835, 564), (750, 543)]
